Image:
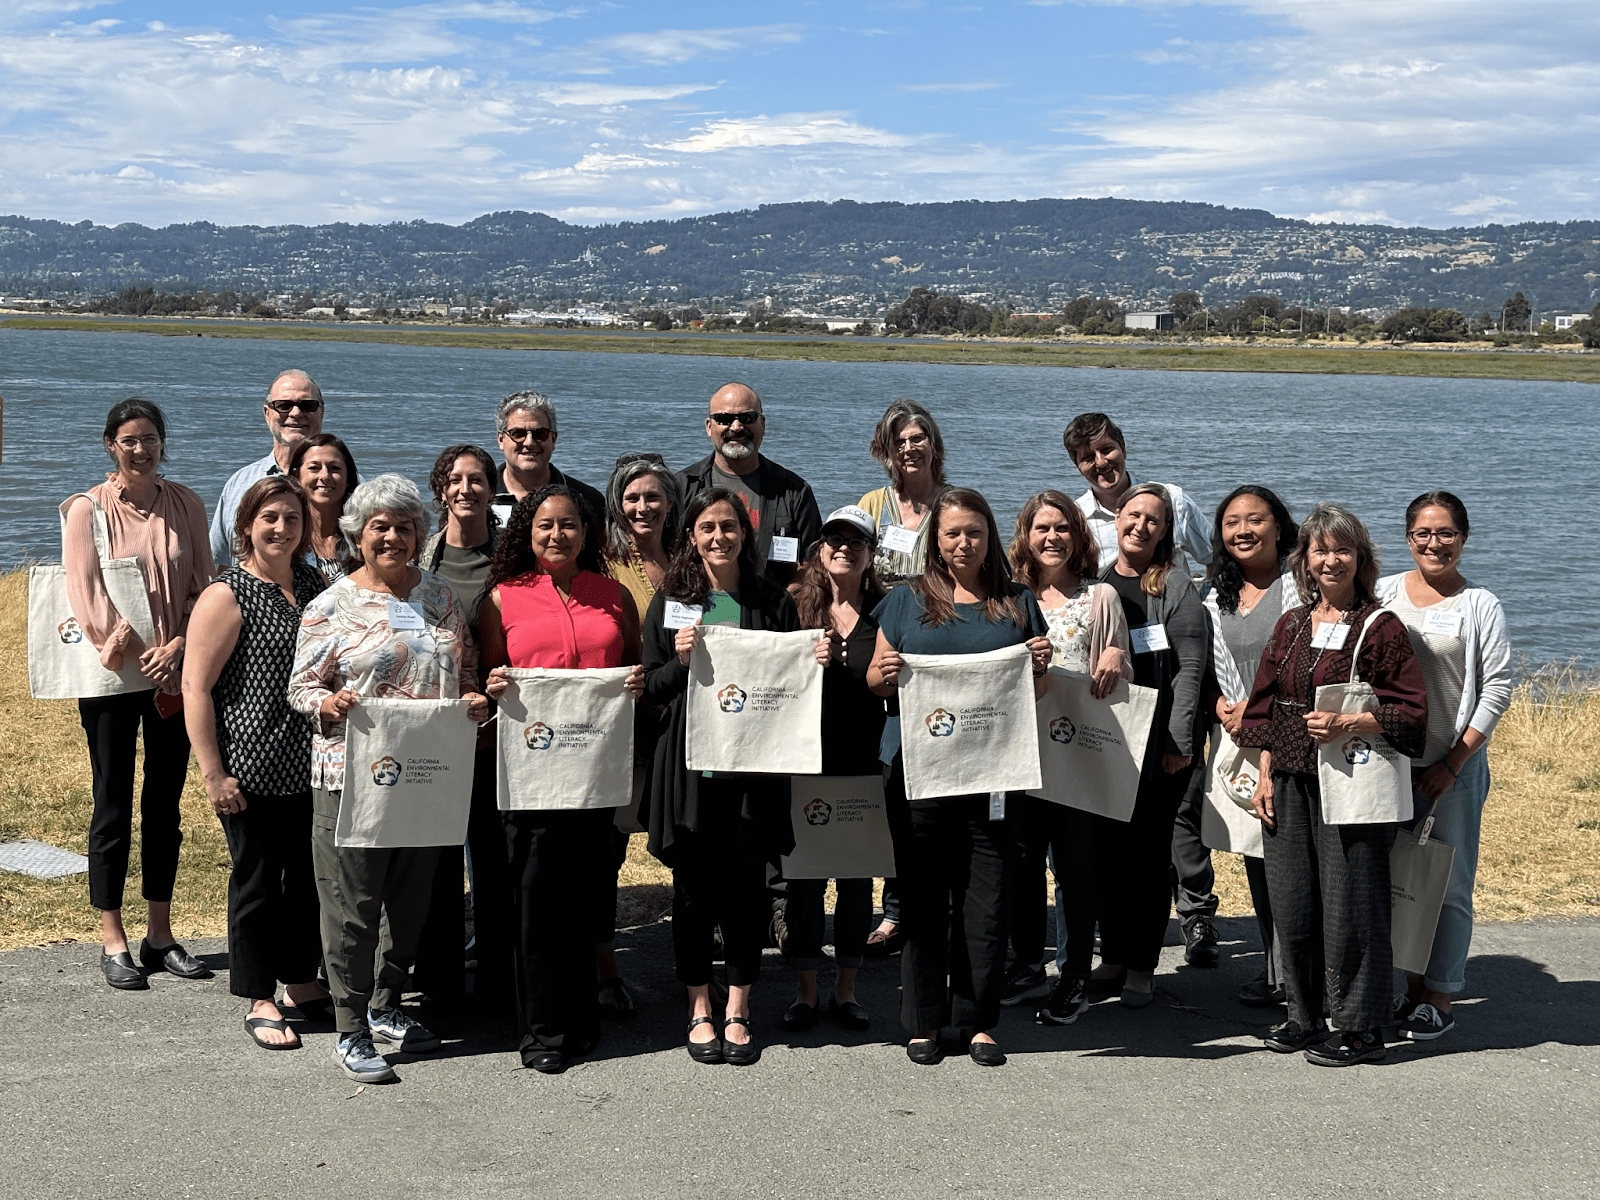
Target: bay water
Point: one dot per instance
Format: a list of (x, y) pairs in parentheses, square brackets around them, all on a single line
[(1520, 454)]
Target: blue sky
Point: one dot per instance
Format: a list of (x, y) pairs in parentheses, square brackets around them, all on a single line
[(1402, 112)]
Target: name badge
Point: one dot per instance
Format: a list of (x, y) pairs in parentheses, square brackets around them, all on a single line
[(1443, 621), (1147, 639), (1330, 637), (503, 511), (403, 616), (785, 549), (681, 616), (997, 806), (899, 539)]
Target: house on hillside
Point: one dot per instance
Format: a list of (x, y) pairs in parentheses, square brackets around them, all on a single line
[(1568, 320), (1163, 321)]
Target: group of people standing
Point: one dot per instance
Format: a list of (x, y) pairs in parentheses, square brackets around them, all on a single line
[(316, 592)]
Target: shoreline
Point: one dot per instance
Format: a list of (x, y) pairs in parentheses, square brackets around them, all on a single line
[(1443, 360)]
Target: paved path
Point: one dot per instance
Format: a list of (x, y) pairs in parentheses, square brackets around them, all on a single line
[(158, 1093)]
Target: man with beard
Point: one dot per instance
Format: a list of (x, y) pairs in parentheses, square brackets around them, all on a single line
[(293, 410), (781, 505)]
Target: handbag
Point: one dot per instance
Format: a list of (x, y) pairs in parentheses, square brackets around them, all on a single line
[(63, 663), (408, 774), (1364, 780), (841, 828), (1419, 875)]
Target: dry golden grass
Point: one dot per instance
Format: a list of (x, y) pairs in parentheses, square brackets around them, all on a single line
[(1540, 857)]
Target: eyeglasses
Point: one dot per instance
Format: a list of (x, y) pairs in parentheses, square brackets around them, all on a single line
[(284, 407), (646, 457), (838, 540), (744, 418), (149, 441), (1445, 537), (915, 442), (539, 436)]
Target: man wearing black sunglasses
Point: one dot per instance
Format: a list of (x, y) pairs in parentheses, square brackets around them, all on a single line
[(293, 411), (525, 426), (782, 508)]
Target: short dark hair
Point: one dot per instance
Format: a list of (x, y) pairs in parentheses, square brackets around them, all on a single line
[(439, 476), (1445, 500), (255, 498), (306, 445), (135, 408), (1087, 428)]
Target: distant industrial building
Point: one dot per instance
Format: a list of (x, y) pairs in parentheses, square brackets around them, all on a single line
[(1160, 321)]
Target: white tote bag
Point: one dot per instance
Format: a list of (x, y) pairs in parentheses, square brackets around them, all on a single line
[(62, 662), (967, 723), (565, 740), (841, 828), (1419, 874), (1364, 780), (1227, 821), (1091, 751), (755, 702), (407, 774)]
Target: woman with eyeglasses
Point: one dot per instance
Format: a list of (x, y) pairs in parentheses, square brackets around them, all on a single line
[(163, 525), (323, 465), (837, 590), (1458, 631)]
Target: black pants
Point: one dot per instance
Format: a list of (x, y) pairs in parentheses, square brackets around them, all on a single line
[(558, 864), (441, 967), (954, 866), (1193, 879), (605, 913), (1066, 836), (272, 895), (1132, 868), (808, 923), (1330, 906), (719, 877), (111, 724), (1255, 873)]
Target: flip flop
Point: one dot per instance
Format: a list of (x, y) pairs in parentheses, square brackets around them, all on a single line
[(251, 1024)]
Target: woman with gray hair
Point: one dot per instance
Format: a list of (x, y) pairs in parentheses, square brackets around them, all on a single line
[(1329, 883), (387, 629)]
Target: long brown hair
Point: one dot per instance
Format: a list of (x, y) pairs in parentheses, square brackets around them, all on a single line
[(813, 590), (1154, 580), (937, 586), (686, 580), (1025, 566)]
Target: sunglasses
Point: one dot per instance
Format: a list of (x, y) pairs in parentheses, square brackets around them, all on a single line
[(539, 436), (647, 457), (836, 541), (744, 418), (284, 407)]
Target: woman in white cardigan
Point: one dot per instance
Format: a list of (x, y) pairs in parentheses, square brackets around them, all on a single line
[(1459, 633)]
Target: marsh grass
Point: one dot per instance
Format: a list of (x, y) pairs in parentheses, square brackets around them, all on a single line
[(1540, 854)]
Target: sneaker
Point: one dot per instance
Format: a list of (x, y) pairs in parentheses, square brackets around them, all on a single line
[(1069, 1000), (402, 1032), (1403, 1007), (1200, 943), (1425, 1023), (1292, 1036), (360, 1060), (1023, 982), (1346, 1049)]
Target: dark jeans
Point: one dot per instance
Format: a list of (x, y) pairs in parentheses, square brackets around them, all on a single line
[(111, 724), (559, 860), (1066, 836), (891, 901), (954, 867), (272, 895), (1194, 880), (1331, 908), (808, 923), (1132, 867)]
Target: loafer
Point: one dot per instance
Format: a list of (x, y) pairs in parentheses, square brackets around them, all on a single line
[(924, 1052), (848, 1014), (1292, 1036), (799, 1017), (1347, 1049), (120, 972), (173, 959), (546, 1062), (986, 1054)]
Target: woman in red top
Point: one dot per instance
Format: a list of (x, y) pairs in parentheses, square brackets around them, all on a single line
[(548, 604)]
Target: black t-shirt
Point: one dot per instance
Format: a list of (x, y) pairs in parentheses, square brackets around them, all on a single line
[(852, 716), (1135, 607)]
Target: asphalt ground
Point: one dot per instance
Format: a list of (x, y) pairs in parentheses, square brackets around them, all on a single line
[(159, 1093)]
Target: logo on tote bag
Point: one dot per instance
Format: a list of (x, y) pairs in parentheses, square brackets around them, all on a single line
[(539, 736), (1357, 751), (386, 771), (940, 722), (1063, 730), (70, 632), (818, 812), (731, 698)]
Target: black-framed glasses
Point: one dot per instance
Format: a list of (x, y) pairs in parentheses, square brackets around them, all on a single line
[(539, 436), (744, 418), (645, 456), (284, 407), (837, 541), (1421, 537)]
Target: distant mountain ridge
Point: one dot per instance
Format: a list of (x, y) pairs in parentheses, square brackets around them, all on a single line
[(849, 258)]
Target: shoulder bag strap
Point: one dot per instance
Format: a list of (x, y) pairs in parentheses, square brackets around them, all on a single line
[(102, 532), (1360, 637)]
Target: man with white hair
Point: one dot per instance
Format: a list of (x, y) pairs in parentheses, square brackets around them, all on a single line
[(293, 409), (525, 427)]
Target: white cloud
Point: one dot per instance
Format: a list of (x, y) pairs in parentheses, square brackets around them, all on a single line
[(786, 129), (671, 46)]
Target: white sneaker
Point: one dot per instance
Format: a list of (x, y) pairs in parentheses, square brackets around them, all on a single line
[(360, 1060), (401, 1031)]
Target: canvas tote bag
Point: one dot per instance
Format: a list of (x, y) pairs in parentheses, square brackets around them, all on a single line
[(967, 723), (841, 828), (1227, 822), (62, 663), (565, 739), (755, 702), (1364, 780), (1091, 751), (1419, 873), (407, 774)]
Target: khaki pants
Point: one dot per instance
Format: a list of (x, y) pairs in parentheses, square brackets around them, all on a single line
[(374, 903)]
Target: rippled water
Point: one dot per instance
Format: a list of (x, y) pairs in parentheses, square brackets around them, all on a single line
[(1509, 449)]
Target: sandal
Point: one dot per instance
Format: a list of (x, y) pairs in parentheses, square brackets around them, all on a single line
[(614, 999), (251, 1024), (734, 1054)]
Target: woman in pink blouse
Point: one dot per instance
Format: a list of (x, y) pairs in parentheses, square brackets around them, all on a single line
[(163, 525)]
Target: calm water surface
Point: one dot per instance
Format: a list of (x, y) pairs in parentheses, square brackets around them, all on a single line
[(1507, 448)]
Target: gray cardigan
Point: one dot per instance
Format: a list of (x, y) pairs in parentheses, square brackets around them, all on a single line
[(1183, 668)]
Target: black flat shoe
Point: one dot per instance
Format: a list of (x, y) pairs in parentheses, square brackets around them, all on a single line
[(546, 1062), (120, 972), (986, 1054), (173, 959), (703, 1052), (736, 1055), (925, 1051), (799, 1017), (1347, 1049), (1291, 1036), (848, 1014)]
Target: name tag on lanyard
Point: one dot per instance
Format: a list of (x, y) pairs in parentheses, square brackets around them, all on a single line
[(997, 806), (785, 550), (1147, 639)]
